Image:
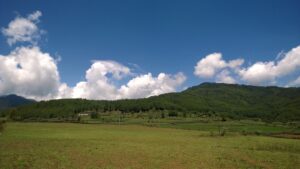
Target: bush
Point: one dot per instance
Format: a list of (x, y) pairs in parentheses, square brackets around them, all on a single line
[(162, 115), (150, 118), (222, 132), (172, 114), (244, 132), (257, 133), (94, 115), (223, 119)]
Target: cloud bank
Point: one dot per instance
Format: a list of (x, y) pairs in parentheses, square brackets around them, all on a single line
[(259, 73), (100, 77)]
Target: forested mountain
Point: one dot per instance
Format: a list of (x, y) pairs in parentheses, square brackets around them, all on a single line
[(273, 103), (12, 100), (225, 100)]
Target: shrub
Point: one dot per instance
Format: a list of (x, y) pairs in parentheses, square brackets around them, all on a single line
[(150, 118), (162, 115), (257, 133), (94, 115), (172, 114), (223, 119), (184, 114), (222, 132), (244, 132)]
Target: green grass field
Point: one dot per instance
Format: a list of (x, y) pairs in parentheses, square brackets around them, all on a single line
[(202, 124), (66, 145)]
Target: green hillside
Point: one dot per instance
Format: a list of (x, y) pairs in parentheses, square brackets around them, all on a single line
[(269, 103), (209, 99)]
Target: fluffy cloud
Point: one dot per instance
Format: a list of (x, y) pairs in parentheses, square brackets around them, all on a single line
[(208, 66), (225, 77), (98, 84), (259, 73), (100, 79), (289, 63), (147, 85), (100, 69), (267, 72), (235, 64), (213, 63), (23, 29), (27, 71), (214, 66)]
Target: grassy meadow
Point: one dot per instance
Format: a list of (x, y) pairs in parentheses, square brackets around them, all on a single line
[(73, 145)]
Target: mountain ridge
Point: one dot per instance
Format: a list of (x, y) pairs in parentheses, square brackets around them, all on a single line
[(227, 100), (13, 100)]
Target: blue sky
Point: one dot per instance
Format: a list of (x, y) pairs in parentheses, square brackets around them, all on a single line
[(160, 36)]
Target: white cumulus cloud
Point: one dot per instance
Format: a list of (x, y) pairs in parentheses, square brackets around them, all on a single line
[(259, 73), (99, 81), (100, 78), (29, 72), (235, 64), (225, 77), (268, 72), (23, 29), (213, 66), (146, 85), (208, 66)]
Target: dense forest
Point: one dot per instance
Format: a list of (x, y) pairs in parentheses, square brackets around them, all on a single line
[(210, 99)]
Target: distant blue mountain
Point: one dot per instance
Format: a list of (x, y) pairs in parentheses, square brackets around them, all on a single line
[(12, 100)]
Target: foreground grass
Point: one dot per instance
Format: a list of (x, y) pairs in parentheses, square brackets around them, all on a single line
[(65, 145)]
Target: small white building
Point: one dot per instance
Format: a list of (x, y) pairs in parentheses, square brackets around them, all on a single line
[(83, 114)]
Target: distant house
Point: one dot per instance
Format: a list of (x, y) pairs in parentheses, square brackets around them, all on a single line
[(83, 114)]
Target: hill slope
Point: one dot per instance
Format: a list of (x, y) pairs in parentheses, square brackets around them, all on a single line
[(12, 100), (241, 100), (233, 101)]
